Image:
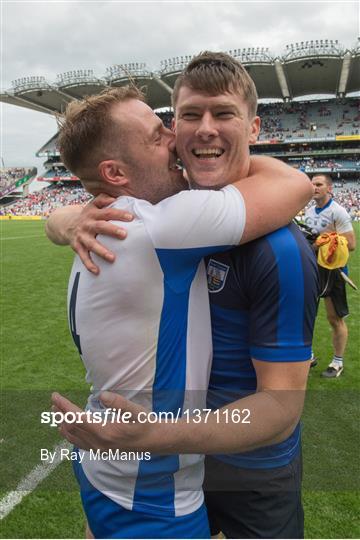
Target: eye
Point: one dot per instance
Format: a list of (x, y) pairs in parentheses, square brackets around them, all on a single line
[(225, 114), (190, 116)]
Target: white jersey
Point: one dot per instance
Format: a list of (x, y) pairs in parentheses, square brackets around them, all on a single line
[(330, 218), (143, 329)]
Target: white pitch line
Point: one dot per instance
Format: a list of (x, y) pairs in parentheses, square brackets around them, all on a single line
[(30, 482), (23, 237)]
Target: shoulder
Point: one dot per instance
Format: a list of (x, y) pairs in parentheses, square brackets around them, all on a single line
[(280, 249), (310, 210), (341, 217), (284, 240), (262, 256), (338, 209)]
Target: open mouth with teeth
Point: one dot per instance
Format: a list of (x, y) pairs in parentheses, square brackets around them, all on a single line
[(208, 153)]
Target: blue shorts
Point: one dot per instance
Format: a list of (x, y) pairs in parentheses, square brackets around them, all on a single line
[(107, 519)]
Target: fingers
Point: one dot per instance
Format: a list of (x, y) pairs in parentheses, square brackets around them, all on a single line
[(63, 404), (108, 229), (107, 214), (102, 200), (89, 243), (71, 434), (86, 259), (100, 210), (86, 434), (114, 401), (78, 433), (95, 220)]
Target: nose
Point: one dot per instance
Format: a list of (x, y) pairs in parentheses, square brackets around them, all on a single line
[(207, 127)]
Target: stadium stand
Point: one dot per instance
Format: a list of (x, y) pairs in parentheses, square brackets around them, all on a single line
[(10, 175), (42, 203), (15, 180), (349, 197), (322, 119), (309, 132), (290, 139)]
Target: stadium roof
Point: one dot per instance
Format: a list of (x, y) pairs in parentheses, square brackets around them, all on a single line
[(310, 67)]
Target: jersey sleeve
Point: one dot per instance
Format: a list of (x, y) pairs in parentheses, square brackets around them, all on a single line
[(343, 221), (283, 293), (195, 219)]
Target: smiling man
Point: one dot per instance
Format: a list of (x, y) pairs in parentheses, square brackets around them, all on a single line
[(214, 129), (263, 301)]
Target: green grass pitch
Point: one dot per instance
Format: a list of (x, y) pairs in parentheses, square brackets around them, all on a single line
[(38, 356)]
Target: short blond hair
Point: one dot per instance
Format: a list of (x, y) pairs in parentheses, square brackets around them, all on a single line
[(87, 134), (217, 73)]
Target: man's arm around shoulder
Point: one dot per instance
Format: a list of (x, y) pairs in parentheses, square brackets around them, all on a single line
[(274, 193)]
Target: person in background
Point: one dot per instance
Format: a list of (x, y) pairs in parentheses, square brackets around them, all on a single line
[(328, 216)]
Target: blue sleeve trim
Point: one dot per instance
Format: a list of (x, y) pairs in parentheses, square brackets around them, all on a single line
[(288, 354), (290, 320)]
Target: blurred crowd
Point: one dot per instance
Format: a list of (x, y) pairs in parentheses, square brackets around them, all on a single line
[(326, 163), (309, 120), (9, 175), (42, 203), (349, 198)]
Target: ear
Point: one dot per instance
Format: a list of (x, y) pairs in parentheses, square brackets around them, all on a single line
[(173, 125), (112, 172), (254, 129)]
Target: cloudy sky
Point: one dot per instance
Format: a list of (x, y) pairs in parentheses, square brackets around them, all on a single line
[(50, 37)]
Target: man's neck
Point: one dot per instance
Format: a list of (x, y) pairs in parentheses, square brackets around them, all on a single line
[(323, 202)]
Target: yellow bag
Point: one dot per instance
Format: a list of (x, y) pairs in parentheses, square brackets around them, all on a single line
[(333, 250)]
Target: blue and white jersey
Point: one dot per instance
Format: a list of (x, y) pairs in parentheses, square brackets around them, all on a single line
[(330, 218), (263, 306), (143, 329)]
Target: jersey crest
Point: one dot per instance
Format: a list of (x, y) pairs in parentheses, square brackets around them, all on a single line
[(216, 275)]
